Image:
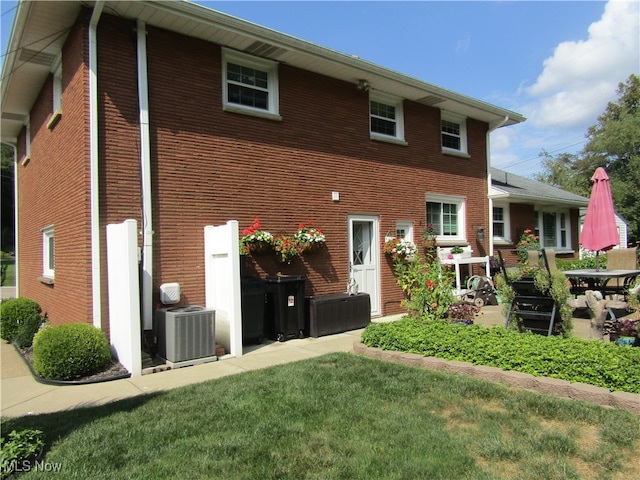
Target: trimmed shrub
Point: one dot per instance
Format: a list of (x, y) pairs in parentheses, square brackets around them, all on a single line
[(69, 352), (568, 358), (27, 331), (14, 313)]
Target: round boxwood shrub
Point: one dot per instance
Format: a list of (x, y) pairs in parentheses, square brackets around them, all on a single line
[(27, 330), (69, 352), (14, 313)]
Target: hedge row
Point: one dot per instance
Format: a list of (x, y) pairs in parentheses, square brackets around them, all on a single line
[(574, 359)]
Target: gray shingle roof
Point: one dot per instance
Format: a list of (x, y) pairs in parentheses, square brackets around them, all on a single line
[(518, 187)]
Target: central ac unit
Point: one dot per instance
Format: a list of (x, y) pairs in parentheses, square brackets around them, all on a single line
[(186, 333)]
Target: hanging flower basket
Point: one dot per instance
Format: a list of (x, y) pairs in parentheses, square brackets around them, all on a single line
[(255, 241), (259, 248), (309, 239), (310, 247)]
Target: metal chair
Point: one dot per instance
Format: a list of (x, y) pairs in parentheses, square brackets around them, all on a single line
[(621, 259)]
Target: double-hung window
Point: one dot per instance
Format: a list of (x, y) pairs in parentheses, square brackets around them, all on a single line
[(386, 118), (250, 85), (57, 93), (48, 252), (552, 228), (453, 131), (446, 216), (501, 223)]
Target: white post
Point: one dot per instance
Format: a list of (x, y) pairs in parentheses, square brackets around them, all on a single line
[(124, 294), (222, 283)]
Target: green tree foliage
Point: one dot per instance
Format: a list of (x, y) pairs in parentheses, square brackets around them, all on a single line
[(613, 143), (6, 189)]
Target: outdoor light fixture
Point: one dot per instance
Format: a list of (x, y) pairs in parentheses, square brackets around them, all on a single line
[(480, 233), (363, 85)]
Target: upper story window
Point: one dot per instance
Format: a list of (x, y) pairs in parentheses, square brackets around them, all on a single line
[(386, 117), (48, 252), (453, 130), (552, 228), (250, 85), (446, 215), (501, 227), (57, 93)]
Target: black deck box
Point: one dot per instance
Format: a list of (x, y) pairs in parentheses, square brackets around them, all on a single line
[(338, 312)]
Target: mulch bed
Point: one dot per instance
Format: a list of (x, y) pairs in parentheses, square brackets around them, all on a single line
[(112, 371)]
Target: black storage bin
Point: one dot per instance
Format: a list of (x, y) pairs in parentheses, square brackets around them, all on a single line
[(253, 300), (338, 312), (285, 306)]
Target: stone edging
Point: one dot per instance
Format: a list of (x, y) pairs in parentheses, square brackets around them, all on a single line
[(553, 386)]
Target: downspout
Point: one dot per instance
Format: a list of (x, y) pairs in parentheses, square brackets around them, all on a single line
[(96, 287), (15, 217), (145, 174), (501, 123)]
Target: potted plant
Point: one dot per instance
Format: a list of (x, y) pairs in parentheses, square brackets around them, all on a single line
[(456, 252), (286, 249), (462, 313), (255, 240), (400, 249), (308, 238), (623, 331), (528, 241)]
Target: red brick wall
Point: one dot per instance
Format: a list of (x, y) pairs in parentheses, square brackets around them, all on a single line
[(210, 166), (53, 189)]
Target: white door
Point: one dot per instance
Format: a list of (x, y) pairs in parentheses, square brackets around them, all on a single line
[(363, 257)]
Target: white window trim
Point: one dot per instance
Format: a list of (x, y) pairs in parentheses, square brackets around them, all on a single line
[(271, 67), (506, 221), (397, 103), (462, 121), (57, 92), (47, 237), (567, 229), (462, 214)]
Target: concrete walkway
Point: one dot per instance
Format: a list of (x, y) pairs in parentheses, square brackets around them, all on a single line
[(23, 395)]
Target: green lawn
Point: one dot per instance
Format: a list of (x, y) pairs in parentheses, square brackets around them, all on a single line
[(10, 274), (340, 416)]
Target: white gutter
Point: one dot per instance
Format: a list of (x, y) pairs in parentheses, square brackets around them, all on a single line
[(96, 287), (488, 141), (145, 169)]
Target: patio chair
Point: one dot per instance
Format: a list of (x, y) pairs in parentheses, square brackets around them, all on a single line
[(539, 312), (549, 258), (621, 259)]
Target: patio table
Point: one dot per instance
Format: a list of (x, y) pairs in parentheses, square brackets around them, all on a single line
[(596, 278)]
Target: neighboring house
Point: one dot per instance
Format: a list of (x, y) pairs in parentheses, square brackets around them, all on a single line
[(621, 223), (520, 203), (179, 117)]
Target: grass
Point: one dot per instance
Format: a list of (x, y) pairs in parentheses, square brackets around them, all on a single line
[(10, 275), (340, 416)]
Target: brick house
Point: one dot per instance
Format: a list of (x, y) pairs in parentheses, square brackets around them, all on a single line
[(179, 116), (519, 203)]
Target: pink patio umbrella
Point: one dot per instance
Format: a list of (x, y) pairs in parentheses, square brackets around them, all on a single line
[(599, 231)]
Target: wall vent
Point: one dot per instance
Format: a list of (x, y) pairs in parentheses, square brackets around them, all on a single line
[(261, 49), (28, 55), (430, 100)]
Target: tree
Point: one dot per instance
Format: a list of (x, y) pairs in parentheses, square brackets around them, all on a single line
[(613, 143), (7, 198)]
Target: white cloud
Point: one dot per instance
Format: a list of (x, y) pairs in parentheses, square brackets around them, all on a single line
[(580, 77)]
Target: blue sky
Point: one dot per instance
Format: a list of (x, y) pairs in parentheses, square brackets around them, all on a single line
[(557, 63)]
